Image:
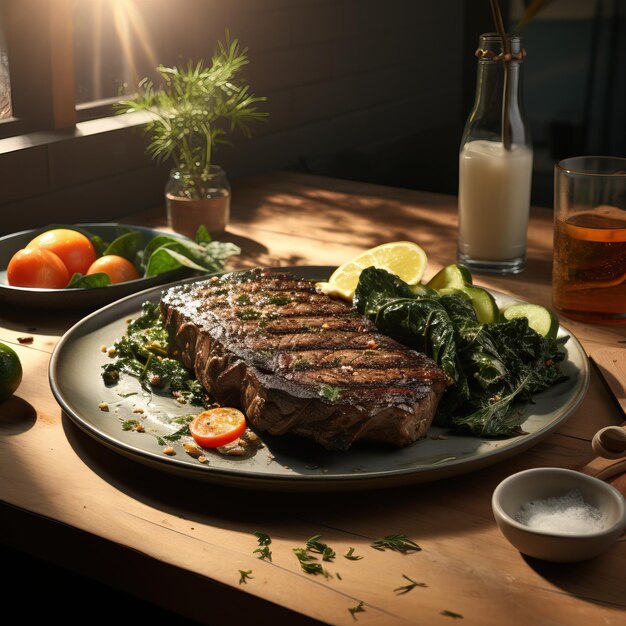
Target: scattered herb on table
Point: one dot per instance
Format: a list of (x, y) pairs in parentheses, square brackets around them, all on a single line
[(264, 553), (351, 556), (451, 614), (315, 545), (309, 563), (359, 608), (244, 575), (263, 550), (406, 588), (398, 542), (263, 538), (495, 368)]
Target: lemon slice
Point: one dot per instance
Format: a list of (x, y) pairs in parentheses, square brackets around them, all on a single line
[(402, 258)]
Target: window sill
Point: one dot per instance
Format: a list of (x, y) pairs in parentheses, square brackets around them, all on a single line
[(88, 128), (95, 172)]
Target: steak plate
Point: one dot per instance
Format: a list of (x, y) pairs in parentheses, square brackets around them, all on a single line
[(298, 361)]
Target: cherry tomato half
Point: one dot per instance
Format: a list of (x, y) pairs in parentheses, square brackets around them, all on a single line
[(217, 427)]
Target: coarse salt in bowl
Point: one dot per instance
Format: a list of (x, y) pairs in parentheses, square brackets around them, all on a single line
[(557, 514)]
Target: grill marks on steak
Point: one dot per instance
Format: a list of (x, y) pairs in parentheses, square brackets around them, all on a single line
[(298, 361)]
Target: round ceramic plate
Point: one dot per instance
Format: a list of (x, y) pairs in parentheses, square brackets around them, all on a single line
[(76, 298), (283, 463)]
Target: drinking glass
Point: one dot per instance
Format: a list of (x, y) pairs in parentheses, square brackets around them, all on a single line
[(589, 261)]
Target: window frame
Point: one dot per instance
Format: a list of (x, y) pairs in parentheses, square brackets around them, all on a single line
[(47, 103)]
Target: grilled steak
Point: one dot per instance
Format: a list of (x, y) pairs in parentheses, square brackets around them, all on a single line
[(297, 361)]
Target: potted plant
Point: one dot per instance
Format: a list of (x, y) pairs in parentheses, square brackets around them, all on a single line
[(192, 111)]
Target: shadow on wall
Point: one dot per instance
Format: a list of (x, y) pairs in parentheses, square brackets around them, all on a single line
[(427, 160)]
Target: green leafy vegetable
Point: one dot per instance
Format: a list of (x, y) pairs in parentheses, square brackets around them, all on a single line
[(126, 245), (79, 281), (495, 368), (163, 253), (167, 259), (142, 353)]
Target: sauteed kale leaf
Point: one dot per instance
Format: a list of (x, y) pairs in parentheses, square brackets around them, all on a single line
[(495, 367), (142, 353)]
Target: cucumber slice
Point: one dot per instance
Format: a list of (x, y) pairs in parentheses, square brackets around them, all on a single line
[(452, 276), (423, 291), (539, 318), (484, 304)]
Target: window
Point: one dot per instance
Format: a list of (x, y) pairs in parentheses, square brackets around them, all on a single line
[(5, 83), (64, 156)]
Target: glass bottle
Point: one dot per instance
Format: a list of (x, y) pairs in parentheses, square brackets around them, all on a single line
[(495, 164), (193, 200)]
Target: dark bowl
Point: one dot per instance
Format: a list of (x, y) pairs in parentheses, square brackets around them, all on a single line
[(77, 298)]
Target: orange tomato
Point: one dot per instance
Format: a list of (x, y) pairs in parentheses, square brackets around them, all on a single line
[(36, 267), (217, 427), (117, 268), (72, 247)]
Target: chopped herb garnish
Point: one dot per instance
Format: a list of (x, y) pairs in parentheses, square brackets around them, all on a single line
[(314, 545), (248, 314), (244, 575), (278, 300), (351, 556), (301, 364), (338, 575), (183, 419), (359, 608), (399, 543), (406, 588), (329, 392), (243, 298), (129, 424), (142, 353), (451, 614), (175, 436)]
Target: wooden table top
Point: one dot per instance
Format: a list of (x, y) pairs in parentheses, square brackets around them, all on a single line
[(182, 544)]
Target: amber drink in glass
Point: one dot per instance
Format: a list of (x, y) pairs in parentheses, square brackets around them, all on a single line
[(589, 262)]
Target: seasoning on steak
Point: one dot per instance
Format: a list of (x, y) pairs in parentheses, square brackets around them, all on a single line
[(298, 361)]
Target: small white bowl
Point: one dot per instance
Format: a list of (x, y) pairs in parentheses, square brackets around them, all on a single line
[(546, 482)]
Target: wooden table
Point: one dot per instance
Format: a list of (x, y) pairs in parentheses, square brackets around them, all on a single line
[(181, 544)]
